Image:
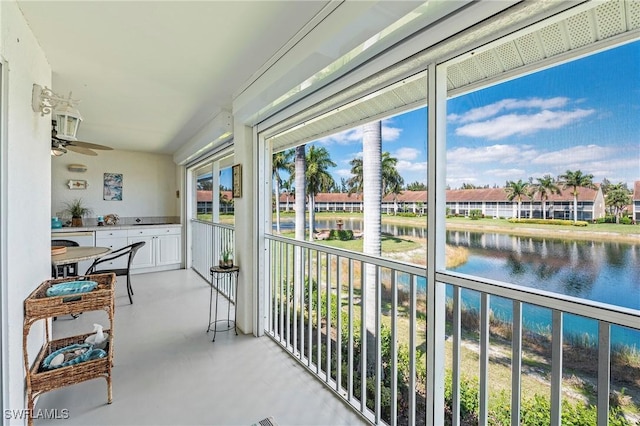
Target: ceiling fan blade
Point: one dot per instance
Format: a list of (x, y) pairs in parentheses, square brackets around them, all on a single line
[(81, 150), (90, 145)]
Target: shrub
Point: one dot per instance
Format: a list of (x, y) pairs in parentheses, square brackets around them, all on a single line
[(536, 411), (406, 214), (625, 220), (341, 234), (475, 214), (560, 222)]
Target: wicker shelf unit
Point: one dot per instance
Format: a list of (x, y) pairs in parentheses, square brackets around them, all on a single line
[(37, 306)]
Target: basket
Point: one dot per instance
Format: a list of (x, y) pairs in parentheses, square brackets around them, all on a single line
[(38, 305), (42, 380)]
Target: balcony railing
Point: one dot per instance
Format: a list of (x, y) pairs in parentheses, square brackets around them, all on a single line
[(208, 241), (319, 309)]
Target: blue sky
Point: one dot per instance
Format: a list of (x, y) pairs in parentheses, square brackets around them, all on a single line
[(583, 115)]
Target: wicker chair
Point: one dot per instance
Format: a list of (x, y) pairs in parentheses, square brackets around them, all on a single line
[(72, 269), (129, 251)]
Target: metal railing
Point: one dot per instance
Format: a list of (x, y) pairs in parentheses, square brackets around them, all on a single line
[(207, 243), (319, 307)]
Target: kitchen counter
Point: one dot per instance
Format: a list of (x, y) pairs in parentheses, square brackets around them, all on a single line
[(114, 227)]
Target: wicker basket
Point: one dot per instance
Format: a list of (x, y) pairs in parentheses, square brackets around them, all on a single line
[(38, 305), (45, 380)]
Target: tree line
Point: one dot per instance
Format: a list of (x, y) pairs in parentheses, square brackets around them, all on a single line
[(318, 179)]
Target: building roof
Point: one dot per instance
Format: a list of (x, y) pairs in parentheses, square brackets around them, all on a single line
[(205, 195)]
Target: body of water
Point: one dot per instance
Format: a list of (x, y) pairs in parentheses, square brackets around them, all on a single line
[(606, 272)]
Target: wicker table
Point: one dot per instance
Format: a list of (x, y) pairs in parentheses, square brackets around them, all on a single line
[(225, 281), (38, 306)]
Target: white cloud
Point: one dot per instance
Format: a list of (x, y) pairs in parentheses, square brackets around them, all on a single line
[(342, 173), (487, 111), (389, 134), (404, 166), (575, 154), (521, 124), (487, 154), (505, 173), (406, 153)]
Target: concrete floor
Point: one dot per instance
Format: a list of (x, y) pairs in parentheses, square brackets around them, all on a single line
[(168, 372)]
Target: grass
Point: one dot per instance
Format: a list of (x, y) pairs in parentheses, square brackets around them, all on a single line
[(389, 243)]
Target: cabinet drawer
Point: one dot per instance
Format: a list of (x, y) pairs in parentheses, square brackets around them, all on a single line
[(114, 233), (152, 232), (112, 243)]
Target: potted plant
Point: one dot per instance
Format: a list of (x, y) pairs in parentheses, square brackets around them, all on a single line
[(226, 258), (77, 210)]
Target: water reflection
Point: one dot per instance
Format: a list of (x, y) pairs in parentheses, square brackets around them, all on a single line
[(599, 271)]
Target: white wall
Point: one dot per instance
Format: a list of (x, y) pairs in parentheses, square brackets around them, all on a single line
[(149, 183), (25, 191)]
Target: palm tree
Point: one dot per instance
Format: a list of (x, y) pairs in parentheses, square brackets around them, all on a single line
[(394, 186), (300, 167), (318, 179), (281, 162), (546, 186), (390, 178), (372, 198), (287, 187), (617, 199), (576, 180), (516, 190), (354, 183)]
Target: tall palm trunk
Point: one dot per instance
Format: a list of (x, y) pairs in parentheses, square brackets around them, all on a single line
[(300, 167), (372, 198), (575, 205), (312, 218), (300, 170), (277, 205)]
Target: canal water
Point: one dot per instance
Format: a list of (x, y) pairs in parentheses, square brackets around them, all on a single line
[(606, 272)]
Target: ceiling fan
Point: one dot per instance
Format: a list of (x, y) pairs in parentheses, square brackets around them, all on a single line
[(60, 146)]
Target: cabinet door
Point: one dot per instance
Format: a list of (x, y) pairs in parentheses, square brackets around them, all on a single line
[(145, 257), (168, 249), (114, 244)]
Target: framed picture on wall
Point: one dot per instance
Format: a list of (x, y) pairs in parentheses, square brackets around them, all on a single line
[(236, 189), (112, 190)]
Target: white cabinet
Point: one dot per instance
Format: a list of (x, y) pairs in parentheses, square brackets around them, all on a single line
[(162, 247), (114, 239), (168, 249)]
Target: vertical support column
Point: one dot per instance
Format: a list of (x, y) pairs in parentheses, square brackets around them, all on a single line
[(436, 183), (245, 236), (215, 193), (604, 371), (556, 367)]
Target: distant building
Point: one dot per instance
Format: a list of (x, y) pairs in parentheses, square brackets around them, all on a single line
[(205, 202), (492, 202)]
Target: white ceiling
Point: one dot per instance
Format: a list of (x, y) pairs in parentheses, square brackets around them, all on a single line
[(150, 74)]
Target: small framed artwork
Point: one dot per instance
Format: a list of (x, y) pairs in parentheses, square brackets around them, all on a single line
[(77, 184), (112, 189), (236, 189)]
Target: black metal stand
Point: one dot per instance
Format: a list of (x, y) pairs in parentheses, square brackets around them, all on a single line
[(217, 275)]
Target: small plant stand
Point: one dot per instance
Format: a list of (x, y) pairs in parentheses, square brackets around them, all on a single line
[(225, 281)]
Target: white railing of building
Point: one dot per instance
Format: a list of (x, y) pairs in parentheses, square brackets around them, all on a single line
[(305, 280), (207, 243)]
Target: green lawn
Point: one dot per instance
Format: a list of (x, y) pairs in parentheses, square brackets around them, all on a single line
[(389, 243)]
